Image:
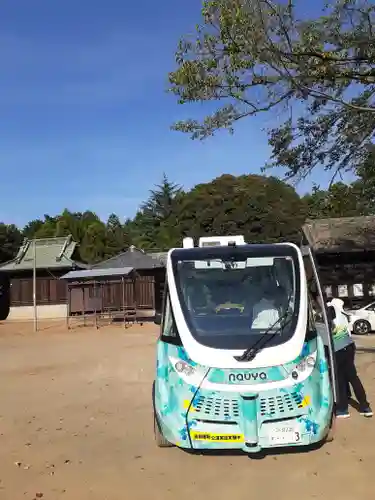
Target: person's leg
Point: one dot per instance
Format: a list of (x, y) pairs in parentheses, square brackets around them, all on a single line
[(355, 381), (342, 382)]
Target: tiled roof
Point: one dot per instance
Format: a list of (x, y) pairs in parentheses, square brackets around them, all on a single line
[(341, 234), (51, 253), (162, 256), (133, 257)]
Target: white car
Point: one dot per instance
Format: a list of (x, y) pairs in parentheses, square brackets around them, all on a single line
[(362, 321)]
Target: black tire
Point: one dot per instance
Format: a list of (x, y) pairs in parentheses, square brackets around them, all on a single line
[(361, 327), (159, 438)]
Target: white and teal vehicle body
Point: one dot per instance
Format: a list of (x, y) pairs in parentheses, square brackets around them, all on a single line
[(225, 379)]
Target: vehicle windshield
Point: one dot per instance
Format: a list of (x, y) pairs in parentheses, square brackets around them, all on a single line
[(230, 298)]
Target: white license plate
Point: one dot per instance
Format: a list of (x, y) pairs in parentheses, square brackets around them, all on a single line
[(284, 435)]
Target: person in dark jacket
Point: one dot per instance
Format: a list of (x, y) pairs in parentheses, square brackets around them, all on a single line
[(347, 375)]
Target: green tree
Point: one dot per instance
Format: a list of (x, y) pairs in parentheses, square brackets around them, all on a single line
[(48, 228), (95, 239), (364, 187), (69, 223), (32, 228), (159, 205), (154, 224), (339, 200), (10, 241), (263, 209), (255, 56), (117, 238), (93, 247), (316, 203)]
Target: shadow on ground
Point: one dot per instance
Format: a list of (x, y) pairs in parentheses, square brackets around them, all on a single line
[(366, 350)]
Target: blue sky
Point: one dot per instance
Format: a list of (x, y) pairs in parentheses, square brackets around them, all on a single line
[(84, 113)]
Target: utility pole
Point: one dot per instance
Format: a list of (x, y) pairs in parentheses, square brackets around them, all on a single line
[(34, 287)]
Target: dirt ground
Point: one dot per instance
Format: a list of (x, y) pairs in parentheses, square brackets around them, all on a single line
[(76, 423)]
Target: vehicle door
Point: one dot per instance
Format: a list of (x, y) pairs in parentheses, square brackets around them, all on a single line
[(322, 320)]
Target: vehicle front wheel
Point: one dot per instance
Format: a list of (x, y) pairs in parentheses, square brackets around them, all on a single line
[(361, 327), (159, 438)]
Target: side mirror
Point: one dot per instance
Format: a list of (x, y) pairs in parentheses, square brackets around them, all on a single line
[(157, 319)]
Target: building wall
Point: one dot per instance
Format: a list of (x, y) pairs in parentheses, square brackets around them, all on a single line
[(24, 313), (114, 295), (350, 276), (56, 311), (49, 290)]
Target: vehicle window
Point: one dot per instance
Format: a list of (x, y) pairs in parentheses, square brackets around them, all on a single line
[(311, 326), (169, 330), (370, 307), (316, 319), (230, 297)]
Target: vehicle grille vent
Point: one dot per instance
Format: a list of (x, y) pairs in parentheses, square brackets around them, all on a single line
[(218, 408), (281, 404)]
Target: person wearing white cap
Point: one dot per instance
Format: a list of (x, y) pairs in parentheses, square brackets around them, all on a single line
[(346, 371)]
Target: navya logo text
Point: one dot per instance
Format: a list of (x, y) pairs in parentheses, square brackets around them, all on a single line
[(247, 377)]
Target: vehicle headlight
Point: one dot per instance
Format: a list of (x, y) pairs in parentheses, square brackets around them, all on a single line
[(183, 367), (192, 373), (306, 364)]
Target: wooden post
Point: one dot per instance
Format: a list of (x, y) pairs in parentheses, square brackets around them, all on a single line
[(123, 300), (68, 306), (83, 305), (135, 279), (34, 288), (95, 298)]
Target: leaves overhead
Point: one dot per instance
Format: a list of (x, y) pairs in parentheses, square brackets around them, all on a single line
[(254, 56)]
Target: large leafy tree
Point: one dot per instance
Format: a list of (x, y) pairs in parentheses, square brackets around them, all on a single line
[(339, 200), (117, 237), (10, 241), (254, 56), (47, 228), (96, 239), (344, 200), (32, 228), (93, 247), (263, 209), (364, 187)]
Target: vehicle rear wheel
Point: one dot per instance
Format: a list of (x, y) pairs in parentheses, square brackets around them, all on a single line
[(361, 327), (159, 438)]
